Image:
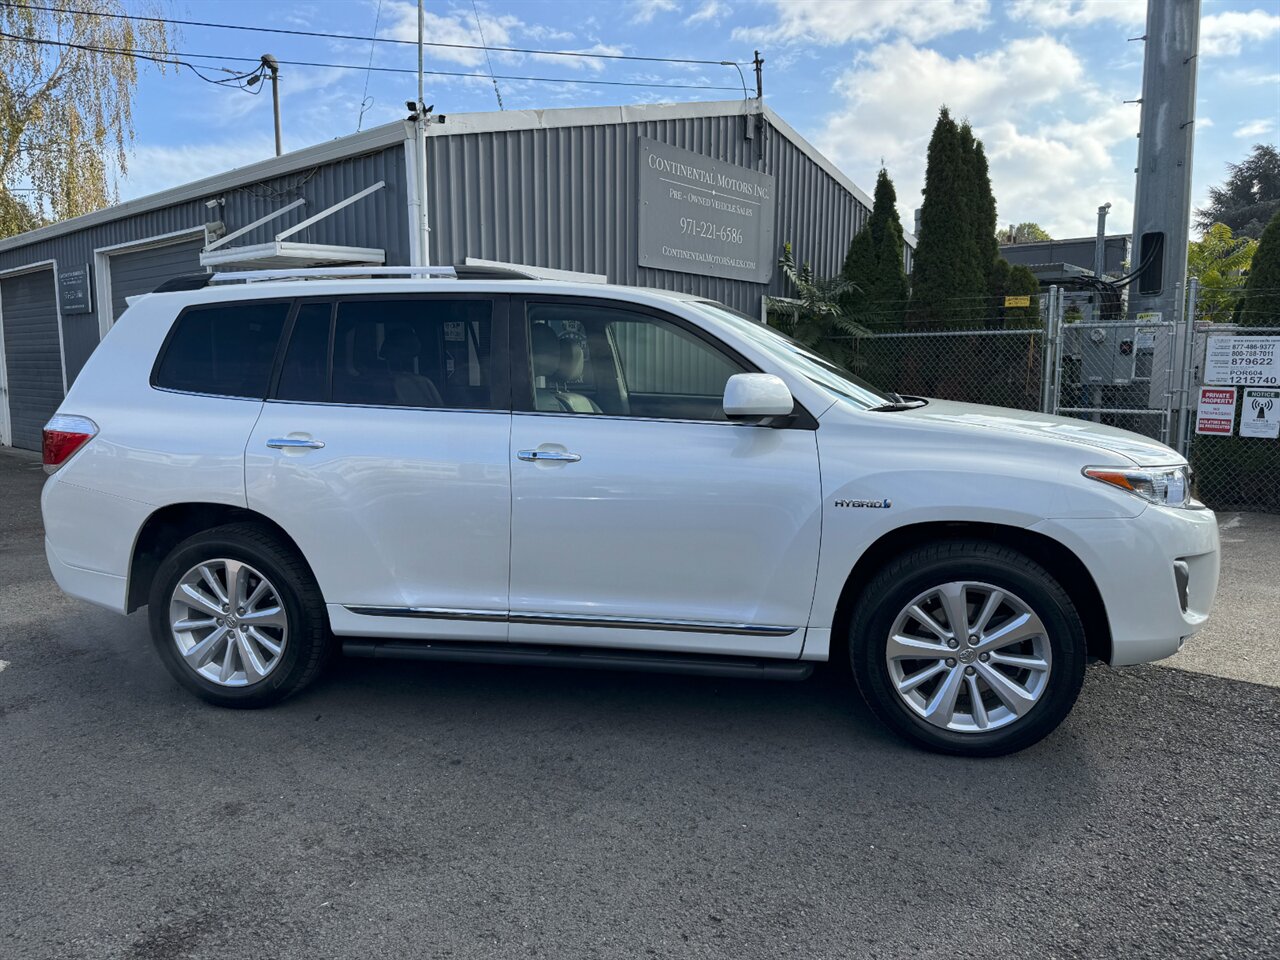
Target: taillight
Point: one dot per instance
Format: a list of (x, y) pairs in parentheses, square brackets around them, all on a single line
[(63, 436)]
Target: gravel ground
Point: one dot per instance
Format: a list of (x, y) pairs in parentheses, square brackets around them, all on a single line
[(455, 811)]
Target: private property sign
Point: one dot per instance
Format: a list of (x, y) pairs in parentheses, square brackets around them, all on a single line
[(702, 216), (1216, 414)]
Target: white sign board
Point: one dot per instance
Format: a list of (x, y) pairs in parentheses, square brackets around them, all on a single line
[(1145, 338), (1217, 411), (1249, 361), (1261, 414)]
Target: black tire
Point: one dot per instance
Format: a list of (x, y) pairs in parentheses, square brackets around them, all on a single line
[(917, 571), (309, 641)]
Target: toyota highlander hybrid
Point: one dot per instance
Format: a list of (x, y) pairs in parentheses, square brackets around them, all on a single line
[(526, 470)]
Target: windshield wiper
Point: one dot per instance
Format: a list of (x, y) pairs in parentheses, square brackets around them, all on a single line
[(899, 402)]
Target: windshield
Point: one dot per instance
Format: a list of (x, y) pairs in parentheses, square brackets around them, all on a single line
[(795, 356)]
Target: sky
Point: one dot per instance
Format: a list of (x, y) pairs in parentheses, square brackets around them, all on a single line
[(1043, 82)]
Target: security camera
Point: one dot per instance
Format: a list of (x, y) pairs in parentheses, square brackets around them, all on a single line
[(215, 203)]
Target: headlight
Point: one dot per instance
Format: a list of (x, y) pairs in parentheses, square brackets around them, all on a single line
[(1167, 486)]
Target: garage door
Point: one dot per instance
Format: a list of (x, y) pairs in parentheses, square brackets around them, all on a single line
[(133, 274), (33, 357)]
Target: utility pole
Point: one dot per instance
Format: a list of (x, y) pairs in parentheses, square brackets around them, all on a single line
[(1100, 244), (1162, 199), (420, 148), (758, 63), (273, 66)]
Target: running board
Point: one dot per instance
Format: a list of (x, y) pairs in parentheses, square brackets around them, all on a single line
[(589, 658)]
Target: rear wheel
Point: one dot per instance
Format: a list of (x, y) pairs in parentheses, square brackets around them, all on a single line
[(237, 617), (968, 648)]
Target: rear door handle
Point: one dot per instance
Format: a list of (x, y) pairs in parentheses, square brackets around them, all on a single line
[(294, 443), (548, 455)]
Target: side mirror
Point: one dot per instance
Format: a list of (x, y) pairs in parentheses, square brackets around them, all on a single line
[(757, 396)]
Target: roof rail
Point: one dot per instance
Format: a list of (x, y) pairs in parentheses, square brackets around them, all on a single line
[(185, 281), (321, 273)]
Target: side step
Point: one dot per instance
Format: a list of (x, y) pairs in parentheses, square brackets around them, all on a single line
[(589, 658)]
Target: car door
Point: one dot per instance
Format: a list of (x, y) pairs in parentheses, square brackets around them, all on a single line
[(640, 516), (383, 452)]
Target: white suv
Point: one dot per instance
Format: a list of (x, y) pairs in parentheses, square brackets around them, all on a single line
[(554, 472)]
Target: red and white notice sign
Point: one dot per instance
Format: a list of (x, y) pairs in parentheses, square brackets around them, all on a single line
[(1217, 411)]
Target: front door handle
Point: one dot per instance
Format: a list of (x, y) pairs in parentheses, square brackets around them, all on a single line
[(294, 443), (536, 455)]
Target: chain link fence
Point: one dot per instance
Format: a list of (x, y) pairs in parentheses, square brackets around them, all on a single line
[(1240, 470)]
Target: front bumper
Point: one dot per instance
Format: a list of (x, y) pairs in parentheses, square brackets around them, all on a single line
[(1133, 566)]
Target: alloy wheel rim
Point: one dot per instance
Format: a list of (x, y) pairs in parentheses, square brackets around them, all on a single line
[(969, 657), (228, 622)]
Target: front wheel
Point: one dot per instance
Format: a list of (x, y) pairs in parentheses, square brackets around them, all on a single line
[(968, 648), (237, 618)]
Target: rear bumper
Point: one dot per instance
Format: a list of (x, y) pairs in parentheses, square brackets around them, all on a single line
[(101, 589), (1133, 566), (89, 539)]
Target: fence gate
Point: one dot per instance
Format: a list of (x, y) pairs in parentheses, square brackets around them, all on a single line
[(1126, 373)]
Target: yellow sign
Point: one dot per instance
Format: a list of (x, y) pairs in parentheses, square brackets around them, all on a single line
[(1017, 301)]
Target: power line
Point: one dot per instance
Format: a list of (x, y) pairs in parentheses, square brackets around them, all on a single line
[(489, 60), (154, 56), (365, 102), (347, 36), (164, 57)]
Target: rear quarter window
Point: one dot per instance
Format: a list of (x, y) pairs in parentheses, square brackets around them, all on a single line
[(224, 349)]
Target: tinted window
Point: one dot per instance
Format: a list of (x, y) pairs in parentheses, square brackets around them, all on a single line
[(304, 374), (586, 358), (225, 349), (414, 353)]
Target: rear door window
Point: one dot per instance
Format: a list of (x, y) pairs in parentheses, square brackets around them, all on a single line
[(304, 375), (224, 349), (433, 353)]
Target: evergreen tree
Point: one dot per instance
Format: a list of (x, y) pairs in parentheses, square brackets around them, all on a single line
[(860, 271), (1249, 198), (1261, 304), (886, 236), (948, 281), (982, 211), (874, 261), (1021, 282)]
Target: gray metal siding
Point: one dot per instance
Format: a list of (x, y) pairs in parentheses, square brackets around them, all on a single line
[(142, 272), (380, 220), (567, 198), (33, 361)]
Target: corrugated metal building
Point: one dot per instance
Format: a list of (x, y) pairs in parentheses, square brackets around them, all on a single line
[(564, 189), (1078, 251)]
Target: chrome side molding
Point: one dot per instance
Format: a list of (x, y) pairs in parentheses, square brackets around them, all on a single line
[(572, 620)]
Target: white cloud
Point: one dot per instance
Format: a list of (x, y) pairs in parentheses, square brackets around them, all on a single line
[(1077, 13), (1225, 34), (1051, 137), (1249, 78), (153, 167), (711, 11), (823, 22), (400, 21), (647, 10), (1203, 123), (1255, 128), (458, 26)]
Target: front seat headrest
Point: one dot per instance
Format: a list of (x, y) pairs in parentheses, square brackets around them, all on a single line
[(400, 343), (572, 360), (544, 345)]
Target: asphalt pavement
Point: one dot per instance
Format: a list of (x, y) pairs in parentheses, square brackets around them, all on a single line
[(424, 810)]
